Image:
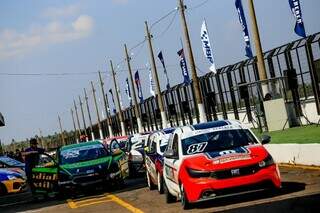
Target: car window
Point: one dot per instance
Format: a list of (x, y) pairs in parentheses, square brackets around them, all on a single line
[(175, 145), (45, 161), (218, 140), (83, 153), (9, 161), (153, 147)]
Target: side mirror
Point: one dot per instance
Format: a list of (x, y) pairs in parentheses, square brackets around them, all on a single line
[(170, 154), (265, 139)]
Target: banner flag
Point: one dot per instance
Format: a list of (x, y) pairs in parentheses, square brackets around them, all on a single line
[(138, 84), (184, 68), (151, 81), (114, 109), (160, 56), (128, 92), (243, 22), (206, 47), (297, 13)]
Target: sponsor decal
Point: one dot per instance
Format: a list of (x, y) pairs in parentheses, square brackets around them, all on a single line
[(239, 153), (196, 148)]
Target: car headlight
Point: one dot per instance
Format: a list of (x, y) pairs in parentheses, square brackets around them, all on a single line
[(268, 161), (12, 177), (194, 173)]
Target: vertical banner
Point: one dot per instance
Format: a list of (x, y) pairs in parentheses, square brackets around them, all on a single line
[(206, 46), (160, 56), (138, 83), (297, 13), (114, 109), (243, 22), (151, 81), (184, 68), (128, 92)]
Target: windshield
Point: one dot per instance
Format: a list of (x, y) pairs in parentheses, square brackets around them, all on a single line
[(10, 161), (164, 142), (82, 153), (219, 140)]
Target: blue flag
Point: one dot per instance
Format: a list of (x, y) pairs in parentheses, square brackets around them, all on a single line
[(296, 11), (128, 92), (184, 68), (160, 56), (138, 83), (243, 22)]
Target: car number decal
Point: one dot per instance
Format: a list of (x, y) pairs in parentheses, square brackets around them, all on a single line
[(196, 148)]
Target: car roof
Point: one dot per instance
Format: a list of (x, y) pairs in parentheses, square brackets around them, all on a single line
[(211, 124), (168, 130), (80, 145), (202, 128)]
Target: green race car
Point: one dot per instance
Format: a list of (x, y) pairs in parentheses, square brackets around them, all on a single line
[(78, 166)]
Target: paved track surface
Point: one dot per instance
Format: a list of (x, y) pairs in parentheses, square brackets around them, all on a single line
[(300, 193)]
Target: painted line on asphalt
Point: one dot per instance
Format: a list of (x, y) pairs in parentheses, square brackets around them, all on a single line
[(125, 204), (74, 204), (299, 166)]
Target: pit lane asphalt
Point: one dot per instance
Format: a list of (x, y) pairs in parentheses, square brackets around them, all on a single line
[(300, 193)]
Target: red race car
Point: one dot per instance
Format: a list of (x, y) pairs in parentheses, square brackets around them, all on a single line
[(216, 159)]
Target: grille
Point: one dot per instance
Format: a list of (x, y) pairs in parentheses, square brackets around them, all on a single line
[(247, 170), (87, 178)]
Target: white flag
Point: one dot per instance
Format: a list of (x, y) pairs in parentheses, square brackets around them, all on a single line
[(207, 47), (151, 81)]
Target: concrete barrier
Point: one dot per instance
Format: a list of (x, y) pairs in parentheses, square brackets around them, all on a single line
[(304, 154)]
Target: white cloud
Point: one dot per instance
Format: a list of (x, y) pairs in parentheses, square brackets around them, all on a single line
[(58, 12), (83, 23), (14, 43)]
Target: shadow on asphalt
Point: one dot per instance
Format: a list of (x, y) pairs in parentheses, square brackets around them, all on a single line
[(287, 188), (306, 204), (24, 201)]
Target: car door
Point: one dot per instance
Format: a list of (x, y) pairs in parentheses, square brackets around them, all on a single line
[(45, 175), (171, 166), (150, 161)]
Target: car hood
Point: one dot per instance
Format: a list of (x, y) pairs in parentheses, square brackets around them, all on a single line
[(225, 159), (87, 167)]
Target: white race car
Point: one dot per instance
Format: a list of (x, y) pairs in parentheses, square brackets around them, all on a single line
[(216, 159), (135, 147), (157, 144)]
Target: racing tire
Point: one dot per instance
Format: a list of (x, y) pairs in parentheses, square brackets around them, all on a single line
[(3, 190), (160, 183), (169, 197), (184, 200), (151, 185)]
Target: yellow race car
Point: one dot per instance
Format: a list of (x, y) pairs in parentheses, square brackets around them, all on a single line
[(11, 181)]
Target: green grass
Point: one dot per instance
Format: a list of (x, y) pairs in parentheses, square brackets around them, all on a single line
[(304, 134)]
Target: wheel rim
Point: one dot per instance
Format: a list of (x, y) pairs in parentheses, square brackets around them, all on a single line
[(182, 195), (159, 182)]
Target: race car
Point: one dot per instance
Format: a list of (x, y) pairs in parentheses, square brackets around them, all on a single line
[(156, 145), (135, 148), (11, 182), (216, 159), (80, 166)]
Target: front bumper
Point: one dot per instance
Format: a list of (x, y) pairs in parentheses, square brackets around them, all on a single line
[(199, 189), (15, 186), (89, 180)]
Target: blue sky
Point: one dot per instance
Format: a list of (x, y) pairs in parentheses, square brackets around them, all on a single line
[(82, 36)]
